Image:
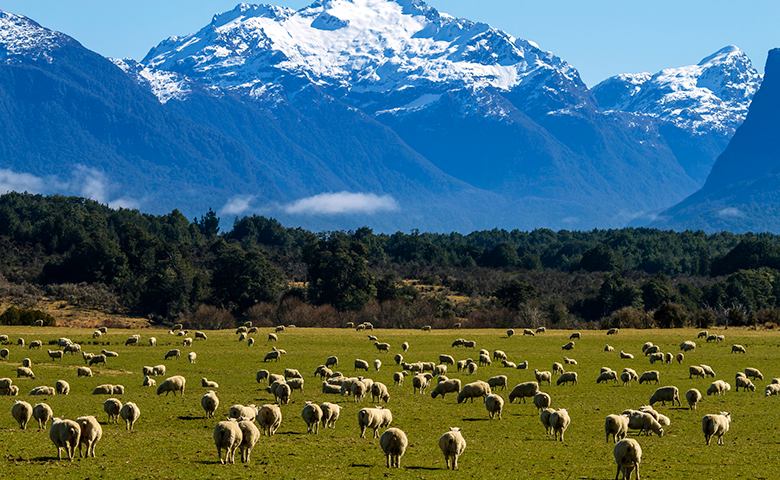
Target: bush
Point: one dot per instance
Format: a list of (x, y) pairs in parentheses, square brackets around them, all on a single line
[(25, 316), (208, 317)]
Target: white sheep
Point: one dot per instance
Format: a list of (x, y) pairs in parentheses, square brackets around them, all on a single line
[(569, 361), (452, 445), (688, 346), (494, 405), (250, 435), (628, 456), (715, 425), (607, 376), (452, 385), (650, 376), (575, 335), (382, 347), (377, 364), (559, 422), (26, 362), (210, 403), (158, 370), (420, 383), (375, 418), (361, 365), (405, 346), (95, 359), (330, 414), (718, 387), (566, 378), (227, 435), (708, 371), (626, 355), (754, 373), (205, 383), (542, 401), (65, 434), (43, 390), (745, 383), (312, 415), (472, 368), (473, 390), (393, 443), (149, 382), (379, 392), (91, 433), (680, 357), (497, 381), (24, 372), (609, 348), (173, 353), (508, 364), (62, 387), (398, 358), (172, 384), (772, 389), (644, 422), (568, 346), (523, 390), (617, 426), (736, 348), (522, 366), (22, 412), (693, 396), (557, 368), (498, 355), (109, 353), (666, 394), (358, 390), (612, 331), (130, 413), (656, 357), (269, 418), (544, 417), (283, 393), (43, 413), (261, 375), (650, 349)]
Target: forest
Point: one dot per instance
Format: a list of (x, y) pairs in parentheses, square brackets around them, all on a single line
[(170, 269)]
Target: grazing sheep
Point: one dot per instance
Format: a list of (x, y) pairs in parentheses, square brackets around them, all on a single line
[(249, 438), (312, 415), (393, 443), (484, 360), (330, 414), (458, 343), (377, 364), (359, 390), (158, 370), (695, 371), (522, 390), (607, 376), (708, 371), (693, 396), (557, 368), (96, 334), (448, 386), (472, 390), (644, 422), (649, 376), (174, 353), (569, 361), (398, 378), (250, 342), (717, 387), (609, 348), (494, 405), (753, 373), (91, 433), (559, 422), (62, 387), (617, 426), (283, 393), (87, 357), (510, 333), (105, 389), (526, 331), (542, 401), (575, 335), (628, 456), (665, 394), (469, 344), (421, 382), (269, 418), (452, 445), (187, 342), (35, 344), (568, 346), (130, 413), (688, 346), (382, 347), (544, 417), (210, 403), (745, 383), (192, 356), (22, 412), (227, 435), (248, 412), (472, 368), (446, 360), (273, 355), (43, 413), (656, 357), (711, 338), (680, 357), (499, 355), (361, 365), (55, 354), (20, 342), (379, 392), (651, 349), (497, 381), (208, 383), (112, 406), (272, 337), (703, 334), (713, 425), (24, 372), (772, 389), (375, 418), (42, 390), (668, 357), (405, 346), (117, 389), (440, 370), (149, 382), (721, 338), (398, 358), (261, 375), (612, 331), (65, 434), (172, 384), (566, 378)]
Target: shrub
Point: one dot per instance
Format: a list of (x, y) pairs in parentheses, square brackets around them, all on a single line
[(208, 317), (25, 316)]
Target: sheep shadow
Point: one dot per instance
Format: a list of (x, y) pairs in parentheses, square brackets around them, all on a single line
[(475, 419), (423, 468), (361, 465), (189, 417)]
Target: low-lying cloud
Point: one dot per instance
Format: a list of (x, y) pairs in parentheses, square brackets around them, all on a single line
[(730, 212), (342, 203), (237, 205), (11, 181)]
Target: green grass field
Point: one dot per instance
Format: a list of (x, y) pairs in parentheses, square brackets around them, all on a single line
[(173, 439)]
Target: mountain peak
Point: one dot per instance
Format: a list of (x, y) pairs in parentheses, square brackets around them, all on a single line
[(722, 55), (23, 37)]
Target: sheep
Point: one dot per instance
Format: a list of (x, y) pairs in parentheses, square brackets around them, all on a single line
[(440, 370), (149, 382), (713, 425), (112, 406), (745, 383), (210, 403), (192, 356), (526, 331), (665, 394), (469, 344), (208, 383), (607, 376), (65, 434), (330, 413), (379, 392), (644, 422), (87, 357), (499, 355), (693, 396), (91, 433), (772, 389), (173, 353), (187, 342), (484, 360), (24, 372), (708, 371), (22, 412), (332, 361), (688, 346), (241, 329), (261, 375), (201, 335), (398, 358), (559, 422), (446, 360), (361, 365), (609, 348), (510, 333), (649, 376), (508, 364), (557, 368), (4, 354), (568, 346), (269, 418), (721, 338), (569, 361), (172, 384), (382, 347), (472, 390), (448, 386), (133, 340), (458, 343), (35, 344), (250, 435), (421, 382), (158, 370), (628, 456), (522, 366), (612, 331), (377, 364), (83, 372), (248, 412), (626, 355), (312, 415), (109, 353), (651, 411), (55, 354), (717, 387), (96, 334), (393, 443), (544, 417), (522, 390), (754, 373), (651, 349), (42, 390), (117, 389), (130, 413), (631, 373), (375, 418), (712, 338), (575, 335), (103, 330), (42, 413), (542, 401), (426, 328), (358, 391), (452, 445), (703, 334), (617, 426), (227, 435), (20, 342), (679, 357), (695, 371), (566, 378), (472, 368), (497, 381), (494, 405), (398, 378)]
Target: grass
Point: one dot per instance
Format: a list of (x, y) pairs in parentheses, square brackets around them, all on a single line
[(173, 439)]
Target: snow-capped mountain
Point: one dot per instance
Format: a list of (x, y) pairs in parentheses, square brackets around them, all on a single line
[(22, 37), (711, 96)]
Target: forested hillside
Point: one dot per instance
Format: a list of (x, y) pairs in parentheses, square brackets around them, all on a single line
[(169, 268)]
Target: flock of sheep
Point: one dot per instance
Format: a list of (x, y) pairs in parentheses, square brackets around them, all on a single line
[(239, 431)]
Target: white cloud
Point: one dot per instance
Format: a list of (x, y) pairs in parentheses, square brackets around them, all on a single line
[(20, 182), (237, 205), (128, 203), (90, 183), (342, 203), (730, 212)]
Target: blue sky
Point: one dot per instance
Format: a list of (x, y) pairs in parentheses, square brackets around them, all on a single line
[(600, 38)]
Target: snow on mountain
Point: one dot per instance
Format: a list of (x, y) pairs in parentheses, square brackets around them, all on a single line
[(164, 85), (713, 95), (20, 36), (355, 47)]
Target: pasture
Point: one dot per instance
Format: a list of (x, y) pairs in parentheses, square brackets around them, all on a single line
[(173, 438)]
